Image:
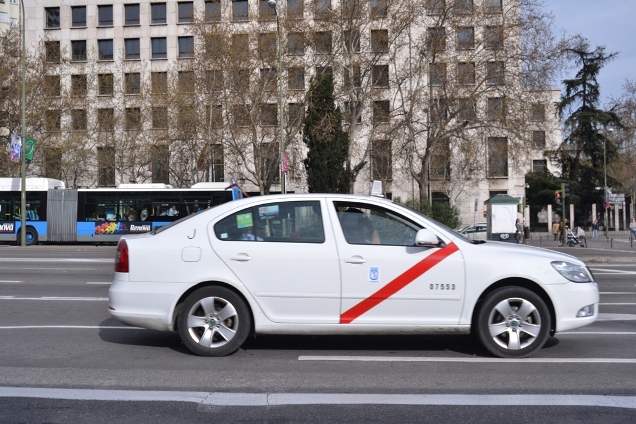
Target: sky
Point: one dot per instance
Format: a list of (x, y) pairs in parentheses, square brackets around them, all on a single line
[(611, 23)]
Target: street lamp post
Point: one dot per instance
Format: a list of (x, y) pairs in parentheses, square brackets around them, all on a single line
[(281, 109), (23, 132), (605, 196)]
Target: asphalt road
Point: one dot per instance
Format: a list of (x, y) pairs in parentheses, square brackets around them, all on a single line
[(64, 360)]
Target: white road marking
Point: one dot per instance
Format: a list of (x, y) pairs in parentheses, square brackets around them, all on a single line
[(278, 399), (89, 299), (10, 281), (99, 282), (470, 359), (74, 327), (618, 303), (88, 260)]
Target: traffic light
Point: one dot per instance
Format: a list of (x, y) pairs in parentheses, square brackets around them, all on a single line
[(557, 197), (567, 189)]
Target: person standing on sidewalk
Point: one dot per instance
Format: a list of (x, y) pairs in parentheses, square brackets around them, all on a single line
[(595, 229), (632, 229), (519, 231)]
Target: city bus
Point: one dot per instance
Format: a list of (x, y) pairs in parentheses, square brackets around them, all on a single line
[(56, 214)]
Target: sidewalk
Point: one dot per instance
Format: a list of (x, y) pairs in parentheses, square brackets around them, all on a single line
[(616, 248)]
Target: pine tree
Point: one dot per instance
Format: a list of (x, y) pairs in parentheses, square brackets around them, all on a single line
[(327, 166)]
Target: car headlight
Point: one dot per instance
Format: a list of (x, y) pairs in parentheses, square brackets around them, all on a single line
[(573, 272)]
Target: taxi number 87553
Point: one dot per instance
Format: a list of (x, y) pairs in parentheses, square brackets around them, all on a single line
[(442, 286)]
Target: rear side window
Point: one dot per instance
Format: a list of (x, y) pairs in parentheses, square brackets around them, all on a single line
[(286, 222)]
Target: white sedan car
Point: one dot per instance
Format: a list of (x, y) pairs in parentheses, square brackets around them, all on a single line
[(342, 264)]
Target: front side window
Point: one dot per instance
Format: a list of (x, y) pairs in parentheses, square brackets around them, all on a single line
[(186, 12), (131, 14), (497, 157), (158, 13), (159, 48), (105, 49), (105, 15), (132, 48), (78, 15), (52, 17), (78, 48), (284, 222), (186, 47)]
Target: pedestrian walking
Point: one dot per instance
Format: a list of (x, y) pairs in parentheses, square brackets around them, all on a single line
[(595, 229), (519, 231), (632, 229)]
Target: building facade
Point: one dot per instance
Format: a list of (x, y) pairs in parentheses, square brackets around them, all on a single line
[(187, 91)]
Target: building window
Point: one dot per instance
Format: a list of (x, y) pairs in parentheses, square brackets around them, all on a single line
[(295, 9), (241, 44), (241, 80), (187, 121), (187, 81), (435, 7), (105, 84), (380, 76), (159, 81), (131, 14), (324, 70), (350, 9), (438, 111), (53, 122), (296, 114), (52, 17), (379, 40), (437, 74), (218, 168), (269, 114), (267, 45), (213, 11), (493, 37), (186, 12), (381, 112), (241, 116), (106, 166), (78, 48), (214, 80), (496, 109), (466, 73), (379, 9), (323, 42), (497, 157), (133, 83), (463, 7), (381, 160), (494, 73), (133, 118), (466, 110), (78, 120), (538, 139), (265, 11), (214, 115), (160, 160), (352, 109), (436, 39), (78, 16), (186, 47), (322, 9), (296, 78), (132, 48), (78, 85), (105, 15), (53, 86), (352, 41), (465, 38), (105, 49), (52, 51), (537, 112), (160, 117), (240, 10), (440, 162), (105, 119), (53, 162), (3, 16), (295, 44), (493, 6), (540, 165), (159, 48), (352, 77), (158, 13)]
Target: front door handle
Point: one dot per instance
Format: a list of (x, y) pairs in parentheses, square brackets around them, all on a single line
[(355, 260), (242, 257)]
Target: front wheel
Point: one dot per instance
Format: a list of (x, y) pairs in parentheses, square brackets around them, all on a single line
[(214, 321), (513, 322)]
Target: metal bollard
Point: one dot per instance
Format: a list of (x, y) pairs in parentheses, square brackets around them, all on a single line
[(611, 243)]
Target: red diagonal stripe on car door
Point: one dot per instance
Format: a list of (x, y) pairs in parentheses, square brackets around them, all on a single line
[(398, 283)]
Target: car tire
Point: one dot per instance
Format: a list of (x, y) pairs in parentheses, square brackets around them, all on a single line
[(513, 322), (214, 321)]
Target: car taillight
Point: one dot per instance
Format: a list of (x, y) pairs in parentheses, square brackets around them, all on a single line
[(121, 257)]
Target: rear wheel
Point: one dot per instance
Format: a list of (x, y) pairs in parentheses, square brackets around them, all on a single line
[(30, 235), (214, 321), (513, 322)]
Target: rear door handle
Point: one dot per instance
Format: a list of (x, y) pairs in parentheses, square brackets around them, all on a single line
[(355, 260), (242, 257)]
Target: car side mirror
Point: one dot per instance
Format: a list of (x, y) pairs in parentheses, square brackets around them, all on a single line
[(426, 238)]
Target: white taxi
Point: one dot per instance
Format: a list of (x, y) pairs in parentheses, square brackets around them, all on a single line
[(342, 264)]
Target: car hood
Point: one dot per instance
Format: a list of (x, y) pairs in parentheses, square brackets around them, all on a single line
[(503, 250)]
